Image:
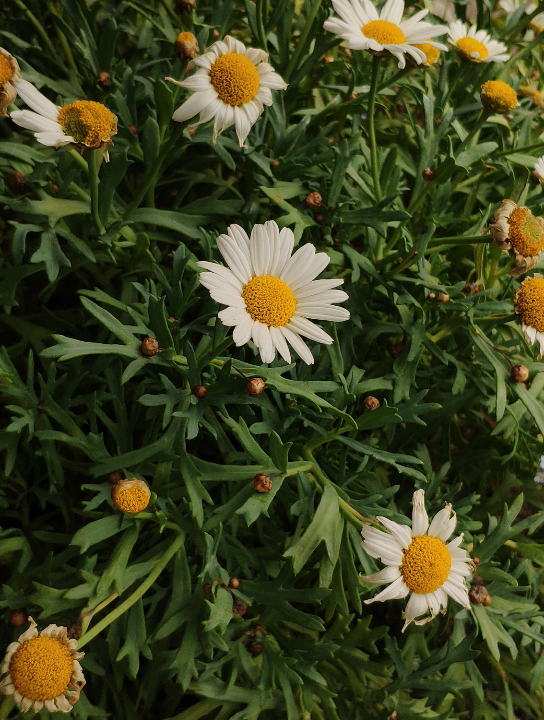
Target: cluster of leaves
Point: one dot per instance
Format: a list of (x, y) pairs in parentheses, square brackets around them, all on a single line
[(166, 631)]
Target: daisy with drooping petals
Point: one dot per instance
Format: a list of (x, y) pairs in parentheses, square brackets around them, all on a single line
[(232, 85), (43, 670), (520, 233), (83, 123), (386, 32), (539, 168), (9, 71), (529, 306), (536, 24), (272, 294), (474, 45), (419, 561)]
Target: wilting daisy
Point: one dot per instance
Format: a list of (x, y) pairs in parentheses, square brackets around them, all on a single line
[(474, 45), (84, 123), (536, 24), (386, 32), (272, 294), (519, 232), (529, 306), (539, 168), (419, 561), (43, 670), (9, 72), (232, 85)]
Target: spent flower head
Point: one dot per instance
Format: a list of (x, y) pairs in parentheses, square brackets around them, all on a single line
[(9, 73), (520, 233)]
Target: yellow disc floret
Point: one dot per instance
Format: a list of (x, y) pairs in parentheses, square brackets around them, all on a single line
[(498, 96), (41, 668), (526, 233), (235, 78), (130, 496), (471, 49), (529, 303), (7, 69), (269, 300), (426, 564), (89, 123), (384, 32), (431, 53), (535, 95)]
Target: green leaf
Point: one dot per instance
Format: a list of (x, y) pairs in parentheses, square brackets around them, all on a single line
[(502, 532), (51, 254), (279, 452), (478, 152), (53, 209)]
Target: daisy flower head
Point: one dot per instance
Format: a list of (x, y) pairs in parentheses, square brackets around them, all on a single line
[(498, 96), (474, 45), (272, 295), (385, 32), (529, 306), (419, 561), (431, 52), (539, 168), (9, 72), (43, 670), (520, 233), (83, 123), (536, 24), (232, 85)]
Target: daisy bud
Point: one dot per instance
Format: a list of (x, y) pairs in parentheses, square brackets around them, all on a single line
[(199, 391), (149, 347), (498, 96), (171, 319), (238, 607), (255, 648), (371, 403), (313, 201), (255, 386), (519, 373), (187, 46), (115, 477), (18, 618), (17, 183), (431, 297), (207, 589), (396, 350), (54, 188), (428, 175), (443, 297), (133, 129), (234, 583), (475, 560), (274, 164), (319, 218), (216, 35), (479, 595), (130, 496), (262, 483), (185, 5), (328, 59), (104, 79)]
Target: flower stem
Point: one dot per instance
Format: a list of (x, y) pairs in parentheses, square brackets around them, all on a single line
[(39, 28), (7, 706), (94, 161), (260, 23), (372, 129), (480, 122), (301, 46)]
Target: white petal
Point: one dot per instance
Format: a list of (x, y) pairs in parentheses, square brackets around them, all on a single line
[(400, 532), (298, 264), (236, 259), (274, 241), (420, 520), (304, 327), (387, 575), (259, 246), (458, 594), (324, 298), (286, 243), (34, 99), (233, 316), (191, 107), (397, 590), (392, 11), (416, 606), (53, 139), (223, 272), (317, 287), (242, 333), (241, 124), (32, 121), (280, 343), (441, 526), (298, 345), (324, 312), (198, 82)]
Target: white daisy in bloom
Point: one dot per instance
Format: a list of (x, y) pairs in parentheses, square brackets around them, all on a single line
[(232, 84), (386, 32), (271, 294), (9, 71), (539, 168), (84, 123), (419, 561), (476, 45), (529, 305), (43, 670), (536, 24)]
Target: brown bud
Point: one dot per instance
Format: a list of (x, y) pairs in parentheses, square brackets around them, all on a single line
[(313, 201), (185, 5), (396, 350), (519, 373), (255, 648), (274, 164), (238, 607), (431, 296), (54, 188), (479, 596), (104, 79), (115, 477), (328, 59), (353, 96), (17, 183), (149, 347), (319, 218), (207, 589), (187, 46), (438, 121), (443, 297), (73, 631), (428, 175), (262, 483), (192, 133), (171, 319), (234, 583), (199, 391), (216, 35), (393, 715), (475, 560), (18, 618), (255, 386), (371, 403), (132, 129)]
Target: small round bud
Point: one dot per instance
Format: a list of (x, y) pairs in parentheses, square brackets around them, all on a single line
[(104, 79), (216, 35), (149, 347), (328, 59), (498, 96), (262, 483), (479, 595), (438, 121), (17, 183), (171, 319), (313, 201), (319, 218), (519, 373), (199, 391), (255, 386), (371, 403), (74, 631), (443, 297), (185, 5), (431, 297), (393, 715), (428, 175), (274, 164), (353, 96), (396, 350), (133, 129), (115, 477), (130, 496), (187, 46), (207, 588), (234, 583), (54, 188), (238, 607), (18, 618), (255, 648)]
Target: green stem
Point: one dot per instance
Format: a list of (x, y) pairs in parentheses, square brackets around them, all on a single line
[(86, 617), (475, 129), (38, 26), (94, 161), (260, 23), (301, 46), (393, 79), (136, 595), (80, 160), (7, 706), (372, 129)]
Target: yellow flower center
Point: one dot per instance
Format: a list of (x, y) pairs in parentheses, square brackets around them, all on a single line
[(535, 95), (7, 69), (529, 303), (384, 32), (426, 564), (41, 668), (526, 233), (235, 78), (472, 49), (89, 123), (498, 96), (431, 53), (269, 300), (130, 496)]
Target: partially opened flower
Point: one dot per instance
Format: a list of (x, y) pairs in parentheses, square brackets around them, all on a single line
[(9, 71), (536, 24), (419, 561), (519, 232), (130, 496), (272, 294), (475, 45), (529, 306), (83, 123), (43, 670), (498, 96), (539, 168), (385, 32), (232, 84)]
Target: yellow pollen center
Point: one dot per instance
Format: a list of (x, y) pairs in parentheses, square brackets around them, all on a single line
[(89, 123), (269, 300), (7, 70), (426, 564), (498, 96), (526, 233), (472, 49), (431, 53), (235, 78), (384, 32), (130, 498), (529, 303), (41, 668)]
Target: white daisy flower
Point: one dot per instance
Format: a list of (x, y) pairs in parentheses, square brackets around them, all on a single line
[(510, 6), (43, 670), (271, 294), (529, 305), (539, 168), (9, 72), (419, 562), (232, 85), (386, 32), (476, 45), (83, 123)]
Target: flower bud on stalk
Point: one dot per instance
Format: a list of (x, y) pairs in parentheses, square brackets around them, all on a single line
[(314, 200), (199, 391), (130, 496), (149, 347), (371, 403), (262, 483), (187, 46), (255, 386), (519, 373)]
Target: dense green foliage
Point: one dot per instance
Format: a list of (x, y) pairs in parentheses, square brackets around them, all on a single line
[(80, 401)]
